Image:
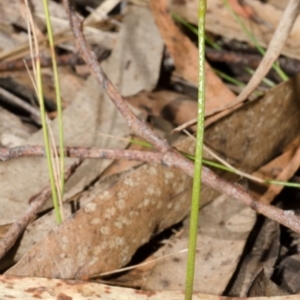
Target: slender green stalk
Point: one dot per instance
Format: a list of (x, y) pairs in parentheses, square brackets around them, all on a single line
[(211, 43), (184, 22), (57, 94), (229, 78), (265, 80), (198, 157)]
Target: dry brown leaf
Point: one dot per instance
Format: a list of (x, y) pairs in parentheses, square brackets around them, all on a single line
[(260, 128), (271, 171), (275, 167), (108, 230), (136, 59), (288, 171), (185, 56)]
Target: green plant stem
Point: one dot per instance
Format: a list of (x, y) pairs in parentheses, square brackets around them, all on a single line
[(57, 94), (184, 22), (194, 216), (229, 78), (265, 80)]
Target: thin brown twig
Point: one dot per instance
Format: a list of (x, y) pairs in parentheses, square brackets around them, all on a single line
[(172, 157), (35, 204), (83, 152)]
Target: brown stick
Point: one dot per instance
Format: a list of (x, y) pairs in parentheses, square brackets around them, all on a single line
[(170, 159), (83, 152), (138, 126)]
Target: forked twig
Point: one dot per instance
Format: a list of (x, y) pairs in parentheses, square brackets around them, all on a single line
[(171, 157)]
